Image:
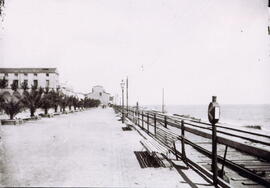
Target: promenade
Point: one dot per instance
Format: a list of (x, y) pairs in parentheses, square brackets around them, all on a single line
[(86, 148)]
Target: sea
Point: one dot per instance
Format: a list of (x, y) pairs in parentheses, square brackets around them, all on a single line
[(236, 115)]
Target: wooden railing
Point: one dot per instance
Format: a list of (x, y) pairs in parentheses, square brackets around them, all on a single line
[(154, 122)]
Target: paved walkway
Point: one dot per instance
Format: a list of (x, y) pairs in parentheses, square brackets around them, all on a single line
[(81, 149)]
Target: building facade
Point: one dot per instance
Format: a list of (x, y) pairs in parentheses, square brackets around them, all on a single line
[(68, 90), (40, 77), (98, 92)]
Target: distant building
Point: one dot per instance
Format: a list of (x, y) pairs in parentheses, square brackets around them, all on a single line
[(98, 92), (68, 90), (40, 77)]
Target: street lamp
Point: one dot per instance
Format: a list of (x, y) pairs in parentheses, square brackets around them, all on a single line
[(213, 117), (122, 87)]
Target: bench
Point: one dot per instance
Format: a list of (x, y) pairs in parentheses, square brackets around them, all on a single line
[(170, 140), (152, 147), (166, 137), (157, 151)]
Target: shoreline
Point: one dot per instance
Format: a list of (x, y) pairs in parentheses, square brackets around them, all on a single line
[(263, 121)]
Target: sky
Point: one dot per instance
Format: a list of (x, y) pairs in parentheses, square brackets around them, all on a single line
[(192, 48)]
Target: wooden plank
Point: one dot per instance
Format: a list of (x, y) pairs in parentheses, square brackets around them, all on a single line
[(153, 147), (254, 163), (259, 168)]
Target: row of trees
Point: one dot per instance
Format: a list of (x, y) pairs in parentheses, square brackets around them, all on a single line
[(44, 98), (2, 3)]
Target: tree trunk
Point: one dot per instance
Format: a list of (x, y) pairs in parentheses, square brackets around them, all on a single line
[(55, 108), (32, 111), (11, 116), (69, 108), (46, 111)]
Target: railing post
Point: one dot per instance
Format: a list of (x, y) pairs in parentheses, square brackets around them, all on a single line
[(183, 141), (165, 121), (214, 154), (133, 112), (174, 147), (155, 124), (147, 122), (138, 117), (123, 115), (142, 121), (127, 111), (223, 164)]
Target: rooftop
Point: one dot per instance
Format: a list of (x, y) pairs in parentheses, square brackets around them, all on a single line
[(28, 70)]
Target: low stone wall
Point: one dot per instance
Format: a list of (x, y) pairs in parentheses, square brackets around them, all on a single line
[(11, 122)]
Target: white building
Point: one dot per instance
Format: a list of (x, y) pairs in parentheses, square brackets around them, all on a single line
[(98, 92), (40, 77), (68, 90)]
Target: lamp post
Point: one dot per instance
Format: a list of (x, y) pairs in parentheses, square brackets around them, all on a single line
[(127, 95), (213, 117), (122, 87)]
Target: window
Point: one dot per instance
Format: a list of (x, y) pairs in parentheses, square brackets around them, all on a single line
[(35, 74), (47, 74), (16, 74), (25, 74), (6, 74), (16, 82), (24, 84), (100, 94), (47, 83), (35, 83)]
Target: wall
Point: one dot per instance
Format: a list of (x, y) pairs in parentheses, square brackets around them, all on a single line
[(95, 94)]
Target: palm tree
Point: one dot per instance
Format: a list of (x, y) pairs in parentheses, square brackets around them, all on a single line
[(71, 102), (14, 86), (12, 106), (55, 99), (32, 99), (75, 102), (63, 102), (80, 104), (1, 102), (2, 3), (46, 102), (24, 86), (89, 103), (3, 83)]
